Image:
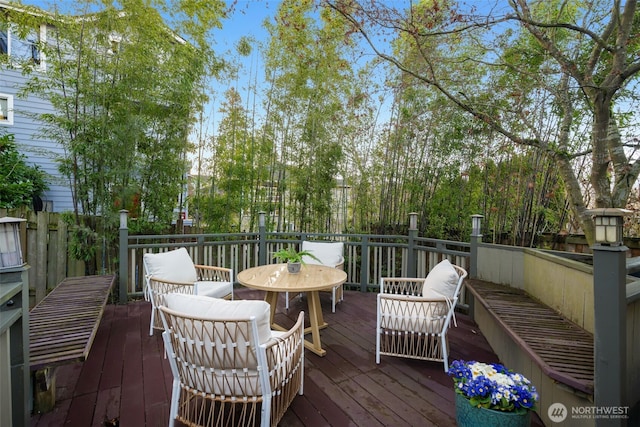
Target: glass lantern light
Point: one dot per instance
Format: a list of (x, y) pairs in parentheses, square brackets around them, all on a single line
[(10, 246), (413, 221), (608, 225), (476, 224)]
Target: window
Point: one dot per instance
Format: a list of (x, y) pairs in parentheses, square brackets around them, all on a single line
[(4, 41), (26, 49), (22, 48), (114, 44), (6, 109)]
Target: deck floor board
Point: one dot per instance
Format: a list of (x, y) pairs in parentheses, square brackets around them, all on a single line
[(126, 377)]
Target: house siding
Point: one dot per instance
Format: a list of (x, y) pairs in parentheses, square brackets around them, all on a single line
[(37, 149)]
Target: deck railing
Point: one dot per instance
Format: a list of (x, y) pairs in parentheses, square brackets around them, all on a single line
[(367, 257)]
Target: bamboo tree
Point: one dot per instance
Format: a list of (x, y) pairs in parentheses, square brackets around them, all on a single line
[(239, 169), (582, 60), (309, 80), (125, 89)]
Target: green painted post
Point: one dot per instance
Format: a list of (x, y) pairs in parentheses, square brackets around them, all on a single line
[(364, 264), (123, 275), (200, 245), (411, 255), (610, 320), (476, 237), (262, 239), (610, 313)]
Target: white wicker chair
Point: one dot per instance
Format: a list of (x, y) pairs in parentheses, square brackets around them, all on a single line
[(329, 254), (414, 314), (229, 368), (174, 272)]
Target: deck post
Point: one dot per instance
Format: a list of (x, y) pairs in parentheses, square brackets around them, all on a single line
[(123, 275), (610, 335), (476, 237), (411, 256), (200, 254), (262, 239), (610, 313), (364, 264)]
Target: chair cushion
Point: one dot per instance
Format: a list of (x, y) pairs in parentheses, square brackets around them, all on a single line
[(221, 309), (221, 367), (172, 266), (412, 316), (329, 253), (441, 281), (213, 289)]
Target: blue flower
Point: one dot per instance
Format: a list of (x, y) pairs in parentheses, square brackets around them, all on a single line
[(493, 386)]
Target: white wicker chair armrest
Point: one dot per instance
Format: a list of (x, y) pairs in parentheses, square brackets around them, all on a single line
[(213, 273)]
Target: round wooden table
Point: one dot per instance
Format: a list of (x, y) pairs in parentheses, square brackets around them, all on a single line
[(274, 279)]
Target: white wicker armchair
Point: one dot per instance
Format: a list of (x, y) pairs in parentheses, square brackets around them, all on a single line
[(229, 367), (413, 315), (174, 272)]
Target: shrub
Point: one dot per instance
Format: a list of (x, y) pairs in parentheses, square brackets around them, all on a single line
[(19, 182)]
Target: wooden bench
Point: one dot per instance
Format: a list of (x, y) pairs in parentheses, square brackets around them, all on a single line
[(562, 350), (61, 330)]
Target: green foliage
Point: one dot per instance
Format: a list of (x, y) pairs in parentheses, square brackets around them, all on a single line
[(239, 170), (530, 79), (309, 96), (474, 127), (122, 115), (291, 255), (19, 183), (82, 243), (125, 89), (142, 226)]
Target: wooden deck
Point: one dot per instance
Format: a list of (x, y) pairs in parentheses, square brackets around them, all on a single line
[(126, 380)]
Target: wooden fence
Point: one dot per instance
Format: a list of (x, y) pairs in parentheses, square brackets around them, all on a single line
[(44, 240)]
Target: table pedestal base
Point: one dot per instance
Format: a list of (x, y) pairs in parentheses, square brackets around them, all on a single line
[(315, 319)]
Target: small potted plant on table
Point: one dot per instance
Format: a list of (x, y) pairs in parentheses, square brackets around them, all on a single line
[(293, 258)]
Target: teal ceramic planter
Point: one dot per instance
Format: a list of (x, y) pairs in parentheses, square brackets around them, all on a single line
[(470, 416)]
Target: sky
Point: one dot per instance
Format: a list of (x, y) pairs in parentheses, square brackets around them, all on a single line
[(245, 21)]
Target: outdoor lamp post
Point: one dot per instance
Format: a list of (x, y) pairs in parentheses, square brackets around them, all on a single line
[(476, 224), (413, 221), (262, 242), (123, 279), (610, 311), (476, 237), (10, 246), (411, 254), (123, 218), (608, 225)]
